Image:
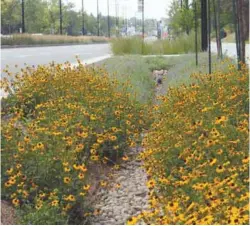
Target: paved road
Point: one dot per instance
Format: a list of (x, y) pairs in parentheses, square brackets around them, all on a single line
[(229, 49), (44, 55)]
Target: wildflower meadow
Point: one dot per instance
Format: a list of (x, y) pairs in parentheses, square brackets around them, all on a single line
[(196, 153), (59, 121)]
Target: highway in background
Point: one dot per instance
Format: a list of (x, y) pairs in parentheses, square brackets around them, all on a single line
[(59, 54)]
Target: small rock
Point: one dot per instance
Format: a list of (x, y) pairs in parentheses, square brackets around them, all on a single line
[(141, 193)]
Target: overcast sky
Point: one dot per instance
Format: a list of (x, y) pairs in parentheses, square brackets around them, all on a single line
[(153, 8)]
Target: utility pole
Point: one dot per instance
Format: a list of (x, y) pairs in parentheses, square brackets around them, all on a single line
[(143, 19), (83, 28), (23, 23), (209, 37), (196, 32), (98, 22), (60, 6), (204, 24), (108, 20)]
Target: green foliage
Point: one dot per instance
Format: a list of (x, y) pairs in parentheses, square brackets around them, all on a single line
[(138, 70), (42, 16), (46, 215), (182, 44), (10, 16), (181, 19)]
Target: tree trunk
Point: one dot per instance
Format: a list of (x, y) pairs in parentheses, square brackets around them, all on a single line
[(243, 14), (204, 41), (217, 27)]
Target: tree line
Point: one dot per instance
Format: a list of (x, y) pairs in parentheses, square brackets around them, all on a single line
[(43, 16)]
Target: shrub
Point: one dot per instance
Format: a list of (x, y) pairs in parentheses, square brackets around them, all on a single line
[(196, 153), (182, 44), (61, 120)]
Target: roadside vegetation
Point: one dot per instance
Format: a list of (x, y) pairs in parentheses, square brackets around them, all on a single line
[(138, 70), (196, 153), (28, 39), (181, 44), (59, 122), (56, 122)]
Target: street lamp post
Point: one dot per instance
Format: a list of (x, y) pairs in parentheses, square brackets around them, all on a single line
[(23, 23)]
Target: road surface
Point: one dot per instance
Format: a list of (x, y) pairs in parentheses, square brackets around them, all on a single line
[(229, 49), (44, 55)]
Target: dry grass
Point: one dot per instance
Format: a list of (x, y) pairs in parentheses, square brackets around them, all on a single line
[(28, 39)]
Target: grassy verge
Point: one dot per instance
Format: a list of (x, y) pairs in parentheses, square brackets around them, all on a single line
[(26, 39), (138, 70), (182, 44), (185, 65)]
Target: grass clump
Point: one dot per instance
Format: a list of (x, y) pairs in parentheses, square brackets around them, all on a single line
[(58, 121), (196, 152), (139, 72), (182, 44), (27, 39)]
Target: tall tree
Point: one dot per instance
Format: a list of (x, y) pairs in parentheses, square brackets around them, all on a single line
[(10, 16), (181, 18), (216, 7), (243, 14), (204, 31)]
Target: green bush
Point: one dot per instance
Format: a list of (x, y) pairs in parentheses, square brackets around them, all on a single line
[(182, 44)]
